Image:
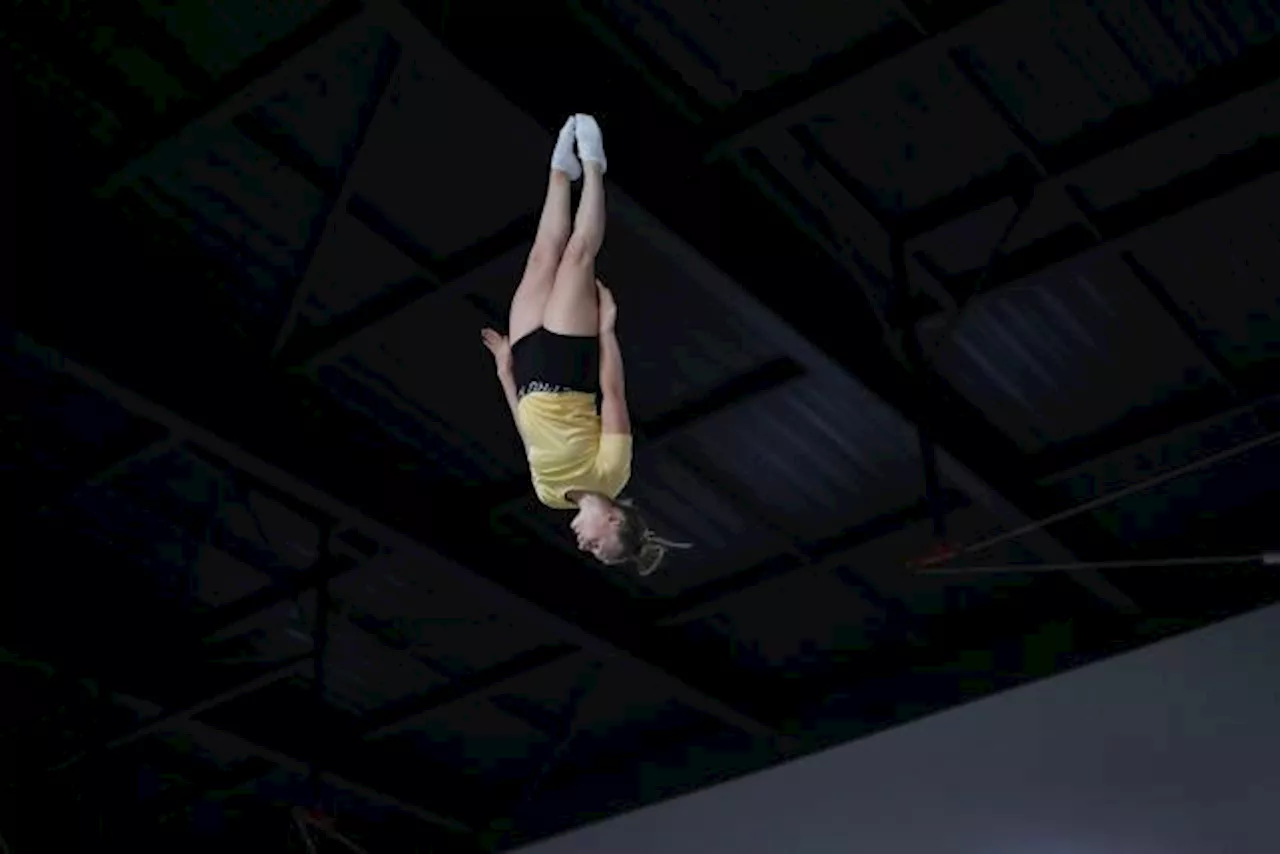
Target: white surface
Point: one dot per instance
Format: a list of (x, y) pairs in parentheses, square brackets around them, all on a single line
[(1172, 749)]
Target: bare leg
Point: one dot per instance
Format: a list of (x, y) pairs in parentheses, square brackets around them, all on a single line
[(573, 308), (553, 233)]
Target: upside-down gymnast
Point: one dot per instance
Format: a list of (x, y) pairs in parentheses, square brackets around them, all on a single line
[(561, 367)]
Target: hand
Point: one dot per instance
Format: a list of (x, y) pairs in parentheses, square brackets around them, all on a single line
[(497, 344), (608, 308)]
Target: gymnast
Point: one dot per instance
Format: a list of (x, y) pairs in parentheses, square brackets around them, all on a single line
[(560, 365)]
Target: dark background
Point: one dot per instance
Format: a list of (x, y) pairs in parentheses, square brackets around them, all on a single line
[(891, 277)]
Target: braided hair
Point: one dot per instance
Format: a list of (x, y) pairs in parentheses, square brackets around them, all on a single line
[(640, 545)]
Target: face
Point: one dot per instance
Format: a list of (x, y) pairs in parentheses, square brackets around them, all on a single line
[(596, 528)]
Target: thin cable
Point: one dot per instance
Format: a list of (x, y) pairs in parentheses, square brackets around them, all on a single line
[(1102, 500), (1266, 559)]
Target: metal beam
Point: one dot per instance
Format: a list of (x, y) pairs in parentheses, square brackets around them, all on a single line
[(465, 689), (1034, 155), (1221, 368), (303, 767), (390, 61), (53, 491), (794, 99), (468, 689), (823, 364), (313, 345), (1122, 225), (253, 82), (806, 557), (1112, 497), (484, 685), (174, 718), (174, 803), (331, 565), (344, 515), (1259, 69), (1094, 582), (161, 718), (717, 596), (1238, 80), (708, 601), (460, 690), (812, 559), (662, 79), (576, 715), (758, 381)]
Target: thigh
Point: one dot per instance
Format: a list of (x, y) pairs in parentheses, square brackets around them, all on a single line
[(573, 307), (530, 299)]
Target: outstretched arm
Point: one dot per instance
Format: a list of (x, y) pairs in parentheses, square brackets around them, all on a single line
[(500, 347), (614, 416), (507, 378)]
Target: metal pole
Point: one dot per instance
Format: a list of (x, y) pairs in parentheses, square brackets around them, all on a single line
[(1023, 202), (1102, 501), (326, 505), (902, 320), (171, 719), (320, 645)]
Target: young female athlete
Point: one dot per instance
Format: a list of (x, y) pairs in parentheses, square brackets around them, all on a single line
[(561, 368)]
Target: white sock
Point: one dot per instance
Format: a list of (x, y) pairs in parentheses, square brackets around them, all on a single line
[(590, 140), (563, 158)]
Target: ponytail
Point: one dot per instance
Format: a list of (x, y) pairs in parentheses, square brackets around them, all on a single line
[(640, 545)]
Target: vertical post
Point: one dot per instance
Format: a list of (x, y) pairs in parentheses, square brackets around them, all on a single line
[(501, 829), (903, 321), (903, 318), (319, 684)]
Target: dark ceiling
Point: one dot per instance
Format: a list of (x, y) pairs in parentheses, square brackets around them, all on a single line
[(893, 275)]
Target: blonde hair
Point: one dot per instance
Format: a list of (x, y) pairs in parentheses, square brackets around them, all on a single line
[(640, 545)]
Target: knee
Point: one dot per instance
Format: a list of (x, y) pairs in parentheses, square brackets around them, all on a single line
[(546, 252), (580, 251)]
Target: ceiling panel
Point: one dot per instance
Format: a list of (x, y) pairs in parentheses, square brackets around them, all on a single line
[(321, 108), (1055, 357), (814, 460), (1184, 148), (1221, 264), (221, 36), (725, 49), (450, 162), (351, 265), (912, 133)]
